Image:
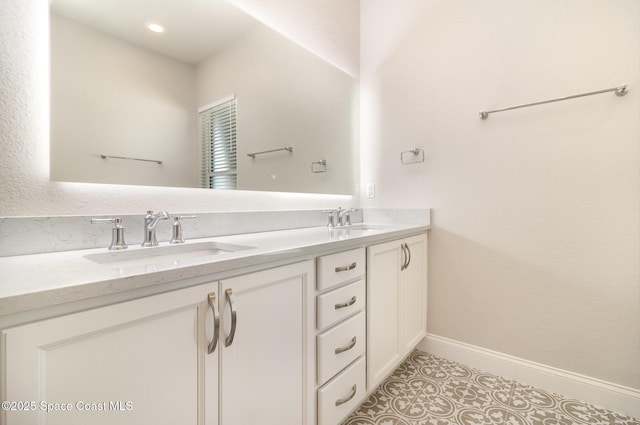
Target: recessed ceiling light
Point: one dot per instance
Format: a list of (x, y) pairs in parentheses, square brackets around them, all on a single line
[(155, 27)]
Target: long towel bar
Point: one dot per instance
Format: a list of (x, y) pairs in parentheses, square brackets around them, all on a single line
[(131, 159), (286, 148), (620, 91)]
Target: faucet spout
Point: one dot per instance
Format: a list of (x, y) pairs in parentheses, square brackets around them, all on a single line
[(155, 218), (344, 216), (150, 222)]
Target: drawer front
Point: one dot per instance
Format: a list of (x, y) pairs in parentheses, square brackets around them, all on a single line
[(341, 395), (341, 267), (340, 345), (340, 303)]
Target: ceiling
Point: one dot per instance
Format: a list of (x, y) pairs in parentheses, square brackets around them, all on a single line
[(194, 28)]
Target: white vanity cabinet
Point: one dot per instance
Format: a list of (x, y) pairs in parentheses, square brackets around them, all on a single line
[(265, 371), (138, 362), (152, 360), (300, 341), (396, 303)]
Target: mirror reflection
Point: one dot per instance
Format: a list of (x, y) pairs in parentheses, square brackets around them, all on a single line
[(215, 99)]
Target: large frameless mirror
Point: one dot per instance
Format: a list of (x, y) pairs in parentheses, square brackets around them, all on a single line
[(215, 99)]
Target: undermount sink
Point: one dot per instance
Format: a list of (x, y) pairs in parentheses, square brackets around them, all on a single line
[(163, 254), (355, 231), (360, 227), (367, 227)]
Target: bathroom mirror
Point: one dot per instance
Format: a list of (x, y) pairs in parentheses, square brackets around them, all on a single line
[(125, 100)]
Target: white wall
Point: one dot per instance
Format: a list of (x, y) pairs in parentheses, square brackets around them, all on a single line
[(329, 28), (286, 96), (109, 98), (534, 250), (24, 99)]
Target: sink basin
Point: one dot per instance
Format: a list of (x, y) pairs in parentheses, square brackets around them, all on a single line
[(367, 227), (355, 231), (171, 254), (360, 228)]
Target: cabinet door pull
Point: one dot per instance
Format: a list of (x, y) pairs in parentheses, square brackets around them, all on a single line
[(232, 304), (346, 347), (354, 390), (346, 268), (216, 323), (409, 252), (352, 301), (405, 255)]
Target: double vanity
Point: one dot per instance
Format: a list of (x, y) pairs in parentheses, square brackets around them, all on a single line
[(281, 327)]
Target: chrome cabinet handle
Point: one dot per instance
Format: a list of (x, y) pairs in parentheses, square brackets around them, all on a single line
[(352, 301), (216, 323), (232, 304), (405, 255), (346, 268), (346, 347), (354, 390), (409, 252)]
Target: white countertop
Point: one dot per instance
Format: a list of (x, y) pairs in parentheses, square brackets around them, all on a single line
[(30, 282)]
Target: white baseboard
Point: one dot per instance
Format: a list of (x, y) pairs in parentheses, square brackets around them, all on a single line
[(608, 395)]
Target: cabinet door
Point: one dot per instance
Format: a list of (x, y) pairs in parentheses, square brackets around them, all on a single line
[(383, 349), (264, 368), (413, 294), (138, 362)]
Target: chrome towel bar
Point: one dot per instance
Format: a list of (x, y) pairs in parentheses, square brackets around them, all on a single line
[(131, 159), (620, 91), (286, 148)]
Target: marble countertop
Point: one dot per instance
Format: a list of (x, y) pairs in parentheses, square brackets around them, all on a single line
[(30, 282)]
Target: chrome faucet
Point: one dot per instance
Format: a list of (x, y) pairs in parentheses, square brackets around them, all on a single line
[(344, 216), (150, 222)]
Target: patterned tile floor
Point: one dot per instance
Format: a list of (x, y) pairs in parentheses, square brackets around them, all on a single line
[(428, 390)]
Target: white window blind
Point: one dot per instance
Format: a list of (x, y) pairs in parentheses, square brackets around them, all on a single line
[(218, 141)]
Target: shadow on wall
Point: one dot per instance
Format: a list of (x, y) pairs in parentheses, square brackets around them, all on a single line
[(489, 298)]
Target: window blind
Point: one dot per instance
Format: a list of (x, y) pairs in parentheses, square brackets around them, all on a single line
[(218, 143)]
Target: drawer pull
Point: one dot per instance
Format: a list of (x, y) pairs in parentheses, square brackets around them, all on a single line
[(352, 301), (346, 268), (216, 323), (341, 401), (347, 347)]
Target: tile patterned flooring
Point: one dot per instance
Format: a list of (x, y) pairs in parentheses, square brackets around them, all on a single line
[(428, 390)]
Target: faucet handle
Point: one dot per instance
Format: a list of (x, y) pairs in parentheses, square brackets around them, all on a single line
[(347, 216), (347, 219), (177, 228), (117, 233), (332, 220)]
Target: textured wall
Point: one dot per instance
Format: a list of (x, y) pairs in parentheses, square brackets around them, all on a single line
[(24, 112), (534, 250)]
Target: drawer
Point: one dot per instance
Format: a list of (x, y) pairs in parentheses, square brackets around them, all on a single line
[(340, 303), (337, 268), (341, 345), (341, 395)]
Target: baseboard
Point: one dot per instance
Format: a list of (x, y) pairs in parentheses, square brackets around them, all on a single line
[(608, 395)]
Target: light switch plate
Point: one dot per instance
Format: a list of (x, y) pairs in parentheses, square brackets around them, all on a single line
[(371, 190)]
